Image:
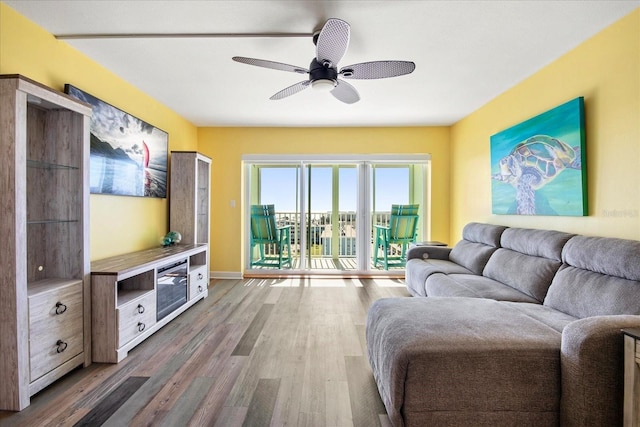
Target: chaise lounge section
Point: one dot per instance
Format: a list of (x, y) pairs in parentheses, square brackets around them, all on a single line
[(528, 335)]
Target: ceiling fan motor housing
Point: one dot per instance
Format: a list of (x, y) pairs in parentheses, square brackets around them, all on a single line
[(318, 71)]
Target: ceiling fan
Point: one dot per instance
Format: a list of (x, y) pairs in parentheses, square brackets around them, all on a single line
[(331, 44)]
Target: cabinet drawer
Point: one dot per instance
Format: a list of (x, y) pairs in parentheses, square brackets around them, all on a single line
[(136, 317), (55, 328), (198, 281)]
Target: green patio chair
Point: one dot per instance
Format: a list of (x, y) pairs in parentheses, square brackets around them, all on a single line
[(400, 231), (273, 242)]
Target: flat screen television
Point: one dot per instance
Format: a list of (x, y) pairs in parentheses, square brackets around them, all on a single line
[(128, 156)]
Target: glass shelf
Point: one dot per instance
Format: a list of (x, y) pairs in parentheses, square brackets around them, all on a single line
[(51, 221), (45, 165)]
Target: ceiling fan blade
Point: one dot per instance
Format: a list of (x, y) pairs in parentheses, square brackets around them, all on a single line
[(332, 42), (271, 64), (291, 90), (345, 92), (377, 69)]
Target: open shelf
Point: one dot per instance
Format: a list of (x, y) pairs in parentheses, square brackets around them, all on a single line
[(135, 286), (47, 285), (197, 260)]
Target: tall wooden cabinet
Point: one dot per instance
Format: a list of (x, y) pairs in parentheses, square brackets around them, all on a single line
[(44, 289), (190, 209)]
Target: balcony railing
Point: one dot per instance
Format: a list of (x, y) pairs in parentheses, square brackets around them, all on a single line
[(324, 254)]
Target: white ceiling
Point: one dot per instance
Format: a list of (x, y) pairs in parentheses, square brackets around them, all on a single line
[(466, 53)]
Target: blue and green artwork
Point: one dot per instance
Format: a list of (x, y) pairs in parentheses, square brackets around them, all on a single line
[(538, 166)]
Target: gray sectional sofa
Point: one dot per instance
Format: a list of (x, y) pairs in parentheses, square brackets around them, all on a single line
[(511, 327)]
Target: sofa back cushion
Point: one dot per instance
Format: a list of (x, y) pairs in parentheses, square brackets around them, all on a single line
[(537, 243), (478, 242), (600, 276), (527, 260)]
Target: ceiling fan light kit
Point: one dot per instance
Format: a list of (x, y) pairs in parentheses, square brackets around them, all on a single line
[(331, 44), (323, 85)]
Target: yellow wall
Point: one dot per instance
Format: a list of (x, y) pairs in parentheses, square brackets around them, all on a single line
[(606, 71), (118, 224), (227, 145)]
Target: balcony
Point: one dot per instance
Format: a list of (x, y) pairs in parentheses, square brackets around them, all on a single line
[(325, 254)]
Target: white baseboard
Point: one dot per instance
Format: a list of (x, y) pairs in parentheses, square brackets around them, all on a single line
[(225, 275)]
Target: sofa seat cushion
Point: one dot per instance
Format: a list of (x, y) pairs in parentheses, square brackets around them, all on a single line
[(463, 361), (472, 286), (553, 318), (418, 271)]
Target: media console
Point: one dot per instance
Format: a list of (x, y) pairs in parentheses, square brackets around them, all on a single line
[(133, 295)]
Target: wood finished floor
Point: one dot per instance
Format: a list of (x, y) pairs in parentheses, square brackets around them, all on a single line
[(256, 352)]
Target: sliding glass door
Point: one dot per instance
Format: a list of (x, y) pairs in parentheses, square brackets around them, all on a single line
[(278, 185), (394, 184), (331, 205), (331, 218)]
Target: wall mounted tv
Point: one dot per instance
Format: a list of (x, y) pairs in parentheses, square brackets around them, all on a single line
[(128, 156)]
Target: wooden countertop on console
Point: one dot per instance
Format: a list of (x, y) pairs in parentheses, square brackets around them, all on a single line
[(123, 265)]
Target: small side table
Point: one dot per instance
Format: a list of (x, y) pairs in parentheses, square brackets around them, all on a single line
[(428, 243), (631, 377)]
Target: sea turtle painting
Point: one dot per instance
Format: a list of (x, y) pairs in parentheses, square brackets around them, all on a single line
[(534, 163)]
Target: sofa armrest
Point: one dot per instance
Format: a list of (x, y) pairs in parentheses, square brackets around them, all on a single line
[(424, 252), (592, 361)]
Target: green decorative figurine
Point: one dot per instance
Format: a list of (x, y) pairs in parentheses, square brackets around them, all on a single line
[(171, 238)]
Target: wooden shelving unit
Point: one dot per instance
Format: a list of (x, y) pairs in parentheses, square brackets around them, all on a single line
[(44, 292), (189, 198)]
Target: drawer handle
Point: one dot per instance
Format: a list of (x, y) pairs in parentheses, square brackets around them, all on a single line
[(60, 308), (141, 326), (200, 276), (199, 288), (61, 346), (140, 308)]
